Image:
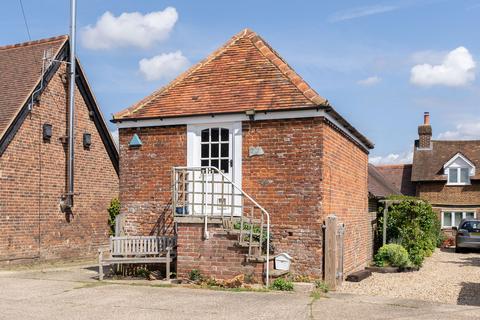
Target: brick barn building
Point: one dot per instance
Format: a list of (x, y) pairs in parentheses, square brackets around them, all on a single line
[(33, 157), (244, 111)]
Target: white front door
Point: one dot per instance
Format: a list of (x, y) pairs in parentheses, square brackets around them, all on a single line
[(215, 145)]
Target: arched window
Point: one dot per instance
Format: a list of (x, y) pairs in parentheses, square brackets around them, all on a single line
[(215, 148)]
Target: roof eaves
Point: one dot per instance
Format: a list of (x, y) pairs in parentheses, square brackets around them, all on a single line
[(349, 127), (90, 99)]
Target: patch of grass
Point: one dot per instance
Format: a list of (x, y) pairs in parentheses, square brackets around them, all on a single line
[(282, 285), (316, 294), (321, 286), (195, 275), (217, 288), (156, 285)]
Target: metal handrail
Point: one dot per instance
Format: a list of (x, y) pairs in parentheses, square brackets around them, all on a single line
[(243, 193)]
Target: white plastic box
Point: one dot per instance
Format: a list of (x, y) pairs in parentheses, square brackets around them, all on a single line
[(283, 261)]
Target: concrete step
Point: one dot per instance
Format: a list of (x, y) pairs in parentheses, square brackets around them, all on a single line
[(245, 244)]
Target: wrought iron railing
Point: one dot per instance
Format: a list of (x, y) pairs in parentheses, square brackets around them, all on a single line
[(207, 192)]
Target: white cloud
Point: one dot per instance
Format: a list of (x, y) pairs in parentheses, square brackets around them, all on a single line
[(370, 81), (361, 12), (464, 131), (392, 158), (163, 66), (456, 69), (129, 29)]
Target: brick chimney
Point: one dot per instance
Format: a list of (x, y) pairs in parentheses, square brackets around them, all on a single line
[(425, 133)]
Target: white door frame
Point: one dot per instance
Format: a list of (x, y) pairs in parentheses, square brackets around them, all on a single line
[(193, 148)]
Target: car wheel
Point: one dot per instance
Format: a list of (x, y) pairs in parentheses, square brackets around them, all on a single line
[(458, 250)]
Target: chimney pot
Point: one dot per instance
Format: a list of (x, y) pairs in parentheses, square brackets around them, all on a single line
[(426, 118)]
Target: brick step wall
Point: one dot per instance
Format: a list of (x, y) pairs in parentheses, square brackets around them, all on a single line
[(219, 257)]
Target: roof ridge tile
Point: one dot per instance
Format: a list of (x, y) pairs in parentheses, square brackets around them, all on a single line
[(33, 42)]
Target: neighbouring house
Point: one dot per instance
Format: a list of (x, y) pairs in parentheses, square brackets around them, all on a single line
[(446, 174), (379, 188), (242, 123), (33, 157), (399, 175)]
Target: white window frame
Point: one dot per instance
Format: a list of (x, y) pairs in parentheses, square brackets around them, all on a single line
[(452, 212), (459, 162), (459, 181)]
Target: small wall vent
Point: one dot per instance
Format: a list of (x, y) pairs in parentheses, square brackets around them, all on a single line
[(87, 140), (47, 132)]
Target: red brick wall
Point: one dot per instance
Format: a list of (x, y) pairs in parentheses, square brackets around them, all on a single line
[(286, 181), (217, 257), (345, 194), (438, 193), (146, 175), (33, 178)]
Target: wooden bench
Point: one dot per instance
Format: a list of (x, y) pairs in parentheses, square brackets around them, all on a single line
[(137, 250)]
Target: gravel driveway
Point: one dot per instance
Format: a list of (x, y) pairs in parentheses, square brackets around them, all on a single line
[(446, 277)]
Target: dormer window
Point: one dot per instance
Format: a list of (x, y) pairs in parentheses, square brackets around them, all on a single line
[(459, 170)]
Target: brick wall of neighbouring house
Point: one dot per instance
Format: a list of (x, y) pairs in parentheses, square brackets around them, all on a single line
[(345, 192), (146, 175), (33, 177), (286, 181), (438, 193)]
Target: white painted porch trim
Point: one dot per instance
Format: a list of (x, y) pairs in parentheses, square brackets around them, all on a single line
[(237, 117)]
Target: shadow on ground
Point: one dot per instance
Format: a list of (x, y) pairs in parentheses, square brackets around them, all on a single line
[(469, 294)]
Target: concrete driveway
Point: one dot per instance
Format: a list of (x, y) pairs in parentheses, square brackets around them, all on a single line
[(73, 293)]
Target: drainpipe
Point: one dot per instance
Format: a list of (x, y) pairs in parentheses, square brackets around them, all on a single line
[(71, 106)]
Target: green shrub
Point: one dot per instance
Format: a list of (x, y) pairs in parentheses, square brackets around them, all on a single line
[(256, 234), (195, 275), (113, 212), (282, 285), (414, 225), (321, 286), (392, 255), (142, 272)]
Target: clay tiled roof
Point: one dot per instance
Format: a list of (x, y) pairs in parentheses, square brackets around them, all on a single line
[(400, 176), (428, 164), (378, 185), (244, 74), (20, 71)]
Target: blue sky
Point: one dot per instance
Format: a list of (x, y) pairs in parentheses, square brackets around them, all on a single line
[(380, 63)]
